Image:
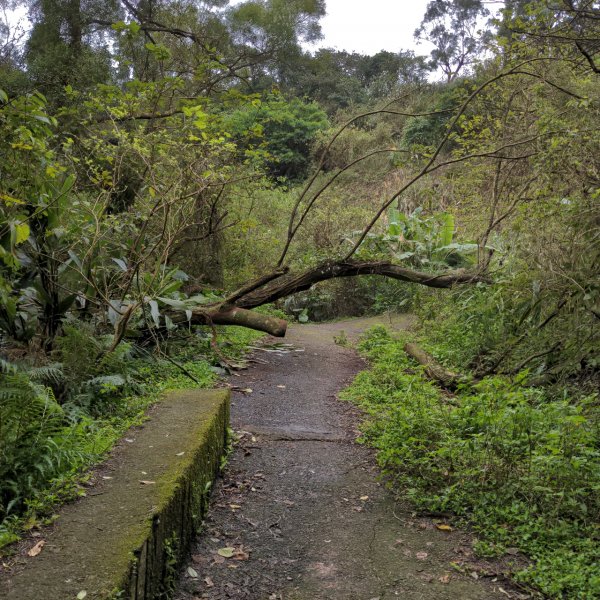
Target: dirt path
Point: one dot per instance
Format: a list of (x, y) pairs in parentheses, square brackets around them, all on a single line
[(301, 503)]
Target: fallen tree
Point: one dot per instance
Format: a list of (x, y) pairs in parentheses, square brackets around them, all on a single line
[(236, 310), (433, 369)]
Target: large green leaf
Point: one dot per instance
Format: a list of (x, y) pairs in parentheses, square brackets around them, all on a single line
[(447, 229)]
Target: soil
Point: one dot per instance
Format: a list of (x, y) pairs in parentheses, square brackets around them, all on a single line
[(302, 513)]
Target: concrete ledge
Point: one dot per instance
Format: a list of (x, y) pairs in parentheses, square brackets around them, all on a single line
[(127, 537)]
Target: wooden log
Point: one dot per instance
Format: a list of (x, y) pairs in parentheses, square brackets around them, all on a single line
[(433, 369), (291, 283), (242, 317)]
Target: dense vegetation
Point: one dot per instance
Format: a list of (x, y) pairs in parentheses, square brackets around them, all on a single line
[(167, 168), (521, 464)]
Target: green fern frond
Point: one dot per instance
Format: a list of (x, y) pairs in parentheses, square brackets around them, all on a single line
[(52, 374)]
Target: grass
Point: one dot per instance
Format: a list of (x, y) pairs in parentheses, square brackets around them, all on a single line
[(521, 468)]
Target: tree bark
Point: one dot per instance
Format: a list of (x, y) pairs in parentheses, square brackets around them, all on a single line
[(242, 317), (279, 284), (298, 282), (433, 369)]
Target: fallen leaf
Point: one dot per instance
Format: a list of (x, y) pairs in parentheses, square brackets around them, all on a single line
[(234, 506), (241, 554), (443, 527), (474, 575), (445, 578), (180, 454), (209, 582), (82, 594), (364, 498), (282, 387), (421, 555), (192, 573), (106, 477), (246, 390), (226, 552), (145, 482), (37, 548)]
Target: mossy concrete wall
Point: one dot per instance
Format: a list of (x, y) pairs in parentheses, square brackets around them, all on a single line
[(127, 537)]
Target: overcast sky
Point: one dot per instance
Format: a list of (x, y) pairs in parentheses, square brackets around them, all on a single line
[(373, 25)]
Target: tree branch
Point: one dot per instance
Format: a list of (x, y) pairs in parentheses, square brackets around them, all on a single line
[(298, 282)]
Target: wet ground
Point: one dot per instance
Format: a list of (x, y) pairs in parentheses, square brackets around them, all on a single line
[(301, 513)]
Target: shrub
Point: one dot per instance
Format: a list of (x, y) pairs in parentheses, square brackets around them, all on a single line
[(34, 444), (522, 467)]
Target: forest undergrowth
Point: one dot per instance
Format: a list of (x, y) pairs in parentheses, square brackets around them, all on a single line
[(49, 446), (519, 464)]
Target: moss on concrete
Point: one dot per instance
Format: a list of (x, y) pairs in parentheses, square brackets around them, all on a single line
[(125, 538)]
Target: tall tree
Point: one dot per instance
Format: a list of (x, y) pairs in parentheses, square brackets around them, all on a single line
[(12, 35), (454, 27), (64, 46)]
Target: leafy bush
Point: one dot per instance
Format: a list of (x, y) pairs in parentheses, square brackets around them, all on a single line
[(521, 323), (285, 128), (45, 444), (524, 469)]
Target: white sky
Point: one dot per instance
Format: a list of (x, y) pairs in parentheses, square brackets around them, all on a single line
[(374, 25)]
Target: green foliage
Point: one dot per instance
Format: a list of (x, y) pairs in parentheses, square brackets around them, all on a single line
[(44, 447), (64, 47), (427, 131), (285, 129), (420, 240), (522, 467), (519, 324), (34, 445)]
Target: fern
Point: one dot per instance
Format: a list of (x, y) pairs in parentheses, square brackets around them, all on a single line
[(32, 432), (50, 375)]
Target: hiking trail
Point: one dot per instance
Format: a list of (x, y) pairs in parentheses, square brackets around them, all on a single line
[(301, 513)]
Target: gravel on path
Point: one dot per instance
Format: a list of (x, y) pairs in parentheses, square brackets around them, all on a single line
[(301, 512)]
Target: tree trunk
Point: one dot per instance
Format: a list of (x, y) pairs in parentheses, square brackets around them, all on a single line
[(433, 369), (243, 318), (280, 284), (298, 282)]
